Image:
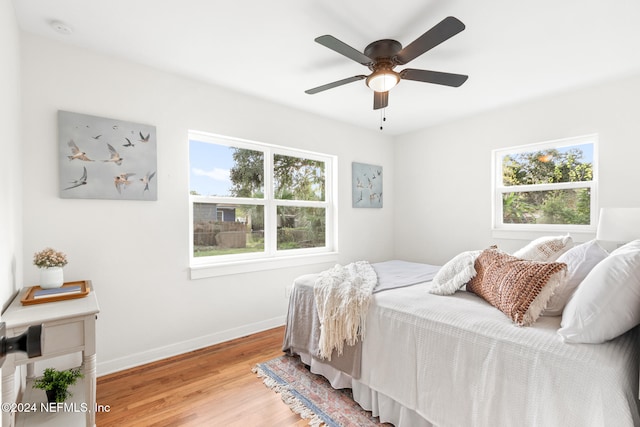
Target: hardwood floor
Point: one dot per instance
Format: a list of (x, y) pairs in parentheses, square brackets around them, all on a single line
[(213, 386)]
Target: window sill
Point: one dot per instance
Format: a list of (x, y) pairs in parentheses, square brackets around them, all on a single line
[(577, 236), (249, 266)]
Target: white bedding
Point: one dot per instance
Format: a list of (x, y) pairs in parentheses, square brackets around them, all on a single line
[(458, 361)]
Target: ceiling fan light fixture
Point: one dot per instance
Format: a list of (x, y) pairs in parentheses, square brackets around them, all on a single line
[(383, 80)]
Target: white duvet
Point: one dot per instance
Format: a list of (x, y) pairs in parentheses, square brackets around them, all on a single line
[(457, 361)]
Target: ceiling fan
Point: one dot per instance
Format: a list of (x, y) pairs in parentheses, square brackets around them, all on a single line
[(382, 56)]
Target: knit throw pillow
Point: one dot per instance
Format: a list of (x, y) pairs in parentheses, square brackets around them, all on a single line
[(519, 288)]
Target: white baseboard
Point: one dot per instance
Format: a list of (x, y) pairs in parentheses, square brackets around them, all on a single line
[(137, 359)]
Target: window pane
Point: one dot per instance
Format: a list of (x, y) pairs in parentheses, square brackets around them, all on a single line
[(300, 227), (547, 207), (566, 164), (297, 178), (219, 170), (223, 229)]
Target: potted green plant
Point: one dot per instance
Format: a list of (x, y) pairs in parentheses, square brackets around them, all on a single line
[(56, 383)]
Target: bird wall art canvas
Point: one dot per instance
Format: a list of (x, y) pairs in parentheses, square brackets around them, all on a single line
[(366, 185), (102, 158)]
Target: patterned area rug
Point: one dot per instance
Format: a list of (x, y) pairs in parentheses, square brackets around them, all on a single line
[(312, 397)]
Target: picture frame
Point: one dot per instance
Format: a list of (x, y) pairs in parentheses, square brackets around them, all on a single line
[(366, 185), (103, 158)]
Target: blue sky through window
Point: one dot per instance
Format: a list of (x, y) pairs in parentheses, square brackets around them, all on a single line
[(209, 168), (587, 151)]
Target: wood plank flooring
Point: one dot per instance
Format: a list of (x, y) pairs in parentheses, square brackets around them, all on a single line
[(213, 386)]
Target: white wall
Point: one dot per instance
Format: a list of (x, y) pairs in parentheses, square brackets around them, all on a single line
[(11, 148), (443, 174), (136, 253)]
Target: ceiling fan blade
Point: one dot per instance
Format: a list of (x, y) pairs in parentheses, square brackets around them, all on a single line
[(343, 49), (442, 31), (334, 84), (447, 79), (380, 100)]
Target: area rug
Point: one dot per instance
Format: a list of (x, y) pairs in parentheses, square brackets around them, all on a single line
[(312, 397)]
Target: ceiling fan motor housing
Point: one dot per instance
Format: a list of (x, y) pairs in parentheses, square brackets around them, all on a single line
[(383, 53)]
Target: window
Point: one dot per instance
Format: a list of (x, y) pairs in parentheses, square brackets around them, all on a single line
[(251, 201), (547, 186)]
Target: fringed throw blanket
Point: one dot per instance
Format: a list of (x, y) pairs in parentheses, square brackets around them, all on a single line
[(342, 296)]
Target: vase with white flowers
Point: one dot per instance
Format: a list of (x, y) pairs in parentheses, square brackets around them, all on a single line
[(50, 263)]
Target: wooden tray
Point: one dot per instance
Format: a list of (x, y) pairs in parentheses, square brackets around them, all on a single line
[(30, 298)]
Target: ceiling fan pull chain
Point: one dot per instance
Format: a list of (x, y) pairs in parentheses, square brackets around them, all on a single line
[(383, 117)]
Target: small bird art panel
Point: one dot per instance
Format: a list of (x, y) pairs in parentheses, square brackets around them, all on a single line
[(366, 185), (103, 158)]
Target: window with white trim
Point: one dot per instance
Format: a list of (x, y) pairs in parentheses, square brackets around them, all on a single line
[(254, 201), (546, 186)]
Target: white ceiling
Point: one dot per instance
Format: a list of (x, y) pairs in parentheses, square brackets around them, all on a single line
[(511, 50)]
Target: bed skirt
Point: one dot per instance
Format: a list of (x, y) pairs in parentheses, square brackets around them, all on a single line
[(380, 405), (387, 409)]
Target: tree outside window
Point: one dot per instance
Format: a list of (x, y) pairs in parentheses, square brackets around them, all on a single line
[(272, 199), (546, 184)]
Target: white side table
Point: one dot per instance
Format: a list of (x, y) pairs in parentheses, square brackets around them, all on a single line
[(67, 327)]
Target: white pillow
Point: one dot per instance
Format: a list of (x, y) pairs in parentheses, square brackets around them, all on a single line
[(580, 261), (607, 302), (545, 249), (455, 274)]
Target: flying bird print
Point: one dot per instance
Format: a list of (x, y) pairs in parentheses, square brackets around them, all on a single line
[(366, 187), (114, 153), (115, 156), (81, 181), (144, 138), (146, 179), (76, 153), (122, 181)]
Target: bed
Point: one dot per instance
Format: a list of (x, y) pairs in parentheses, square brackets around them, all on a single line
[(455, 360)]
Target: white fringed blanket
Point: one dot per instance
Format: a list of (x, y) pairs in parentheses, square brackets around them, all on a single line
[(342, 296)]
